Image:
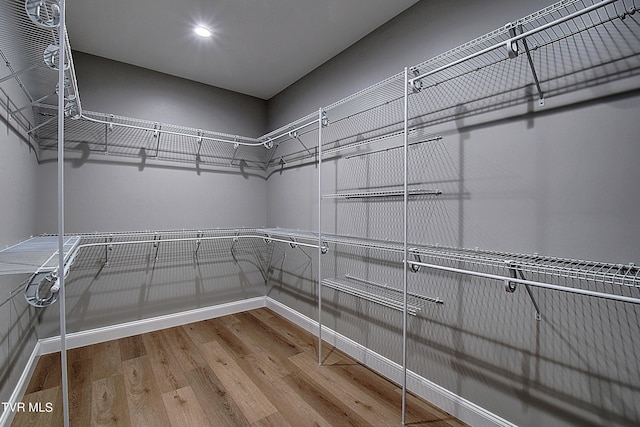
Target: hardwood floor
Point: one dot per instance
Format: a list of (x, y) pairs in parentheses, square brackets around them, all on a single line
[(248, 369)]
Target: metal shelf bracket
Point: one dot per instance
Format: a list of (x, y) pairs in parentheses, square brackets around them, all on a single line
[(294, 135), (532, 66), (199, 235), (107, 248), (415, 267), (514, 272)]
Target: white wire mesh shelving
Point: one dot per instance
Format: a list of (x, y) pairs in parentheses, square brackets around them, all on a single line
[(381, 194), (37, 257), (29, 53), (380, 294), (145, 140), (570, 45)]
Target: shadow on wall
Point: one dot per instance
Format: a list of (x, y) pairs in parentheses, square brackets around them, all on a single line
[(19, 323), (576, 365), (142, 281)]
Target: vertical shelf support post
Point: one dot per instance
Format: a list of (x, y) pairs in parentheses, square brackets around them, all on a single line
[(63, 315), (322, 122), (405, 256)]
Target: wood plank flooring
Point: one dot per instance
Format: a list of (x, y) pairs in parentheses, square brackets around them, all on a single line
[(249, 369)]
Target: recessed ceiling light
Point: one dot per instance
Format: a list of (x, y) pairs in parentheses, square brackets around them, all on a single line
[(202, 31)]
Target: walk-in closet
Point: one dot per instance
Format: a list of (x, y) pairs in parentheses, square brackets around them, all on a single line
[(320, 213)]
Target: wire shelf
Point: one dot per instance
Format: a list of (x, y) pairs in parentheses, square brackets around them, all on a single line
[(617, 279), (34, 255), (380, 294), (559, 270), (565, 47), (146, 140), (381, 194), (24, 47)]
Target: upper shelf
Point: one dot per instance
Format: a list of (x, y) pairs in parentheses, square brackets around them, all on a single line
[(569, 46), (29, 46), (145, 140), (566, 47)]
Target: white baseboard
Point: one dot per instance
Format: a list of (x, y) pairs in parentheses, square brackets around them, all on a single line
[(108, 333), (23, 382), (448, 401), (122, 330)]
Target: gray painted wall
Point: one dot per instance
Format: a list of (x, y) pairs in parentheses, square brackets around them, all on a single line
[(18, 213), (423, 31), (557, 182), (113, 87), (110, 193), (18, 177), (531, 182)]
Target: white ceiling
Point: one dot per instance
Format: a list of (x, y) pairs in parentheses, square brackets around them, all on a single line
[(259, 47)]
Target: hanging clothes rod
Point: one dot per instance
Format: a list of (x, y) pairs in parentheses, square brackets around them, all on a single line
[(290, 131), (384, 150), (168, 132), (189, 239), (284, 130), (505, 279), (513, 39)]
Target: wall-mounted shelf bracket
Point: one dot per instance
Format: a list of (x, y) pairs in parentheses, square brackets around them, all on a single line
[(108, 247), (199, 141), (514, 272), (235, 149), (108, 128), (269, 145), (294, 135), (415, 267), (234, 240), (156, 135), (533, 68), (199, 236), (156, 244)]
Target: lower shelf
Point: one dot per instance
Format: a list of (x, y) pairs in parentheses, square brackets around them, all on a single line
[(380, 294)]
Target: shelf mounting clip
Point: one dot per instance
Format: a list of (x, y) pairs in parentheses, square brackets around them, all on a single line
[(324, 121), (416, 85)]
